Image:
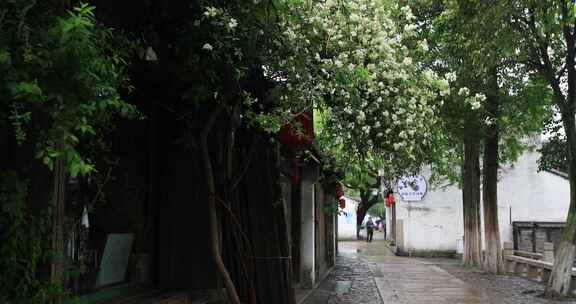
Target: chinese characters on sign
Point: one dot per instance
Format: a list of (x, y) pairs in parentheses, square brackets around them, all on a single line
[(412, 188)]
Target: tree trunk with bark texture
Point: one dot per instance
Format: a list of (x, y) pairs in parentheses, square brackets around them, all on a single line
[(493, 261), (213, 215), (471, 200), (560, 279), (57, 266), (268, 231), (360, 213), (255, 243)]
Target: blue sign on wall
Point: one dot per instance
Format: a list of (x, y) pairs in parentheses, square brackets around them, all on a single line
[(349, 218)]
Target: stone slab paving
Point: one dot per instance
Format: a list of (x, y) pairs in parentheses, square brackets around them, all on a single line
[(352, 279), (350, 282), (411, 281), (501, 289), (371, 274)]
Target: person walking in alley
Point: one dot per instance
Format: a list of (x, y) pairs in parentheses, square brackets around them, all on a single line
[(369, 230)]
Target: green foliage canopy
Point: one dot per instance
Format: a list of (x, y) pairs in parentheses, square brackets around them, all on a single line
[(60, 79)]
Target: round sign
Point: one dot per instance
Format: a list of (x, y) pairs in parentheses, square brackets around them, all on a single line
[(412, 188)]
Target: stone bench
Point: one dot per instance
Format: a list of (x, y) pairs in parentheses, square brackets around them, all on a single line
[(530, 265), (528, 268), (530, 255)]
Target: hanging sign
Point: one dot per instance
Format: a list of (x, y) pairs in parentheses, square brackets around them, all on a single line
[(412, 188)]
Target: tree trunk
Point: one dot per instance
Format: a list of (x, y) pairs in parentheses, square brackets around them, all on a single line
[(493, 252), (560, 279), (471, 203), (57, 266), (360, 215), (213, 215), (366, 202)]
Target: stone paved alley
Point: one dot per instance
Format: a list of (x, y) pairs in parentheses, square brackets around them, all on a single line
[(368, 273)]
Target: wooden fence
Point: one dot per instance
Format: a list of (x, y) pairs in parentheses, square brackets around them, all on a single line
[(531, 236)]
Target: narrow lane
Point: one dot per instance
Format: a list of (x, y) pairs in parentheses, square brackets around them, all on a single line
[(368, 273), (352, 280), (411, 281)]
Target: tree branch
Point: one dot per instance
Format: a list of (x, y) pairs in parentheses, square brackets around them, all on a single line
[(245, 165), (546, 66), (570, 53)]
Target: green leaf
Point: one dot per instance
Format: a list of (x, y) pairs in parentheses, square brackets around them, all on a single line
[(5, 59), (48, 162), (362, 73), (74, 169), (25, 89)]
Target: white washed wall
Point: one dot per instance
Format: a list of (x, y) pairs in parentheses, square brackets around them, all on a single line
[(347, 223), (436, 222), (529, 195)]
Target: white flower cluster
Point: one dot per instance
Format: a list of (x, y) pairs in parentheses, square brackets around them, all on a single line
[(352, 57), (451, 77), (379, 99), (464, 91), (474, 101), (477, 100), (218, 17)]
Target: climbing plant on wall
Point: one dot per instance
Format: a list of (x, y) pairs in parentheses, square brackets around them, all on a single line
[(25, 245), (63, 70), (60, 79)]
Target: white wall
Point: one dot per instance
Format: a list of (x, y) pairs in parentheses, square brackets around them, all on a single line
[(436, 222), (530, 195), (347, 221)]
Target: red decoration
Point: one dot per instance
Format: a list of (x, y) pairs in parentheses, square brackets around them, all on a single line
[(300, 136), (295, 171), (342, 203), (340, 196), (339, 191), (390, 200)]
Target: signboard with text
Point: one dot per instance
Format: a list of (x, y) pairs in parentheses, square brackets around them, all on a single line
[(412, 188)]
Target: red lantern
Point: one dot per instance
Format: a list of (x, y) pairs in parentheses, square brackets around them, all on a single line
[(301, 136), (390, 200)]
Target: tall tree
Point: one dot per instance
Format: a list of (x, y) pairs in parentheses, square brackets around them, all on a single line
[(348, 57), (484, 109), (446, 27), (546, 34), (472, 256), (493, 261)]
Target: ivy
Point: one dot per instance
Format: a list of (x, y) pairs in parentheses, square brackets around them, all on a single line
[(24, 246)]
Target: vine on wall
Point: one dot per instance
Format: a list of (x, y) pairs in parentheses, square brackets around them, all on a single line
[(25, 246), (60, 81)]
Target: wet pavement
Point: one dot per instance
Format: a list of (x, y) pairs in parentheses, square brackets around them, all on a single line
[(368, 273), (502, 289), (352, 279)]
